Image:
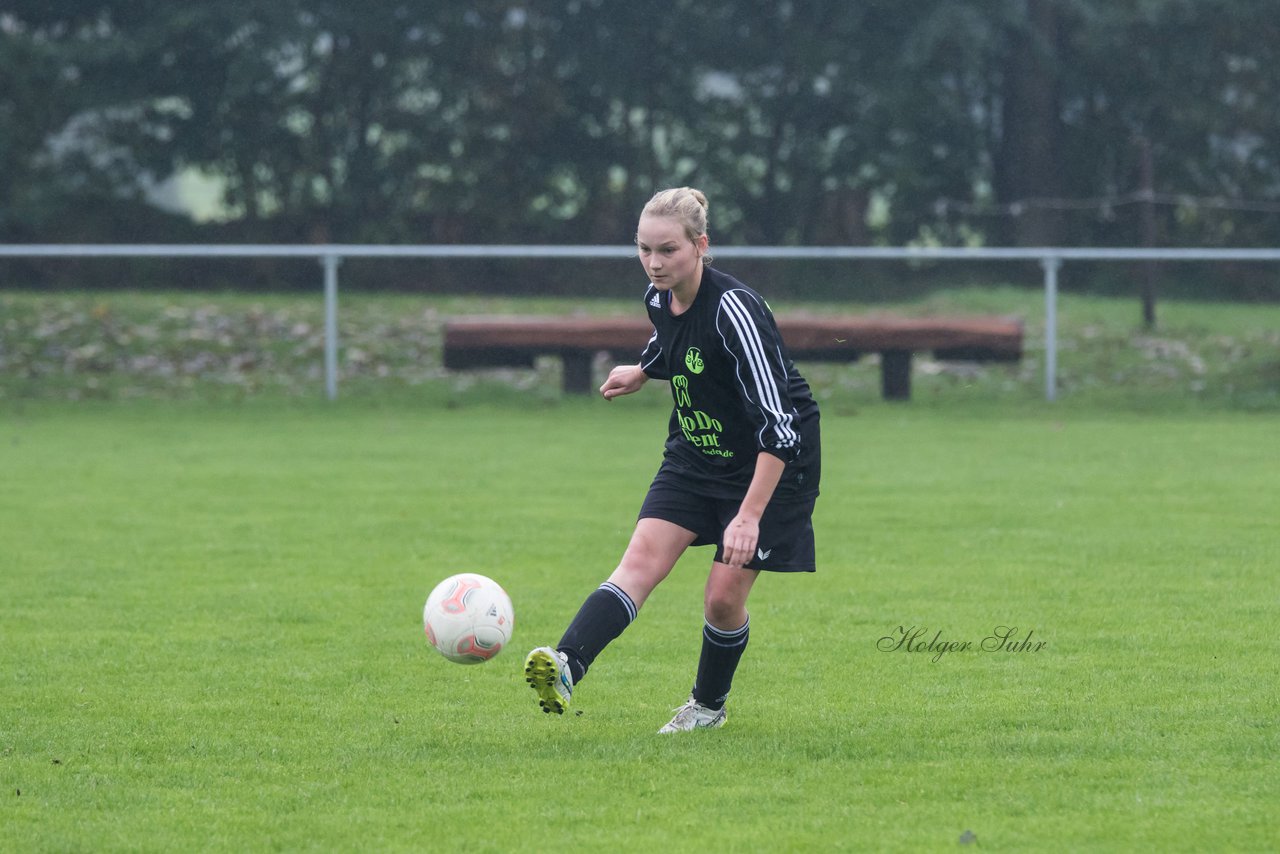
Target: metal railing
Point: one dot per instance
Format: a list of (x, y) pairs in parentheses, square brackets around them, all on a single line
[(331, 256)]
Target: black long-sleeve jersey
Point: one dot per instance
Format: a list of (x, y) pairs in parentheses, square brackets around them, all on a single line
[(736, 391)]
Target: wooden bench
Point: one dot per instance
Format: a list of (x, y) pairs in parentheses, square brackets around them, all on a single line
[(491, 342)]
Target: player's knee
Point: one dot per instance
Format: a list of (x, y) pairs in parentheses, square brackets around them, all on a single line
[(641, 559), (724, 609), (639, 571), (637, 578)]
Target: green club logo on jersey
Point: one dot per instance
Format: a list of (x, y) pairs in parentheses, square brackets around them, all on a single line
[(693, 360)]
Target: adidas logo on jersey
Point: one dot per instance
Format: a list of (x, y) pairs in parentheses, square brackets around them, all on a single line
[(655, 302)]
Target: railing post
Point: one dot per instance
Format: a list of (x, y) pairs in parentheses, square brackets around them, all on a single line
[(331, 262), (1050, 263)]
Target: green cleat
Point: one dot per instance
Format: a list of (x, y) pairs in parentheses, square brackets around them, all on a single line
[(547, 671)]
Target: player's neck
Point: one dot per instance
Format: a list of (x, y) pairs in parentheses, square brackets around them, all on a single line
[(682, 296)]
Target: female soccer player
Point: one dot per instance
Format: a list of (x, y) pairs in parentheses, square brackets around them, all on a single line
[(740, 470)]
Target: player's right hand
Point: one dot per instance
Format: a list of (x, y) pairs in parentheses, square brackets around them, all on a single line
[(624, 379)]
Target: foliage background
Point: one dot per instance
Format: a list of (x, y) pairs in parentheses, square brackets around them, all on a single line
[(1026, 122)]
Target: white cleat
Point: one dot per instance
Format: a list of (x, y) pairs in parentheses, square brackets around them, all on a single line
[(693, 715)]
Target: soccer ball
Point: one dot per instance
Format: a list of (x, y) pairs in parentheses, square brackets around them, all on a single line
[(468, 618)]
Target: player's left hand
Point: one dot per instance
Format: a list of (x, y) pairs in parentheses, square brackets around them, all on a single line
[(740, 539)]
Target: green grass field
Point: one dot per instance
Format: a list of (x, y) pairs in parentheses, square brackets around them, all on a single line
[(211, 583), (210, 614)]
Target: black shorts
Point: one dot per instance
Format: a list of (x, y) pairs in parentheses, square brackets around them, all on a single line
[(786, 529)]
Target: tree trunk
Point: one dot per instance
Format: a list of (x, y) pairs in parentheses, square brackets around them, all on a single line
[(1028, 167), (1150, 275)]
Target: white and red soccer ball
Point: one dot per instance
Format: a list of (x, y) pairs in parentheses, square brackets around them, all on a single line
[(468, 618)]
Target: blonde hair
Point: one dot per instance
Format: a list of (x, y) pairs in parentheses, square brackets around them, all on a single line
[(686, 206)]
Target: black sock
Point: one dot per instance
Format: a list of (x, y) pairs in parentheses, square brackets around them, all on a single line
[(604, 616), (721, 652)]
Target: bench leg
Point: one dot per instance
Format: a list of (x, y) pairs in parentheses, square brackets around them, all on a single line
[(577, 373), (895, 374)]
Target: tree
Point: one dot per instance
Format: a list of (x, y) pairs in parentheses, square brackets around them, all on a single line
[(1029, 155), (939, 121), (59, 63)]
